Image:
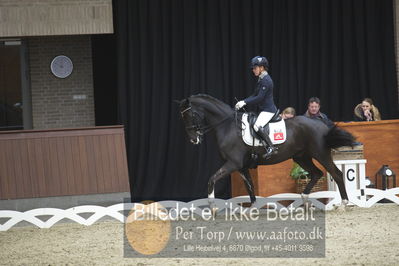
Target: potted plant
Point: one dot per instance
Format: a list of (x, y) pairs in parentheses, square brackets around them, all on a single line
[(302, 178), (298, 172)]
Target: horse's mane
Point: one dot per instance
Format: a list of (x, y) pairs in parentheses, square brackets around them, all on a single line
[(207, 96), (216, 102)]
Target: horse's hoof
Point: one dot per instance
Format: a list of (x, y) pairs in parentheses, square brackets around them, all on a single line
[(246, 204), (213, 208), (214, 211), (307, 205), (343, 207)]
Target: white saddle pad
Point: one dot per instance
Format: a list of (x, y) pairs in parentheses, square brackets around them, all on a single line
[(277, 132)]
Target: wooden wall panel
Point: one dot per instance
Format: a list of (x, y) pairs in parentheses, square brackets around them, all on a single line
[(100, 172), (111, 154), (4, 182), (121, 162), (105, 163), (54, 175), (25, 171), (381, 144), (39, 162), (16, 164), (42, 163), (86, 184), (62, 167), (91, 165), (32, 168)]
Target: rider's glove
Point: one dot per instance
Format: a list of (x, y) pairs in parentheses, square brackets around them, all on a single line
[(240, 105)]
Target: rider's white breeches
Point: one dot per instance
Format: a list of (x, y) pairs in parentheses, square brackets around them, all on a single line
[(262, 120)]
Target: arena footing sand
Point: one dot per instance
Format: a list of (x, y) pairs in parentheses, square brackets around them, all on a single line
[(359, 236)]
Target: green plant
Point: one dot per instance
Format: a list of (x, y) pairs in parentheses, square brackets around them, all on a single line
[(298, 172)]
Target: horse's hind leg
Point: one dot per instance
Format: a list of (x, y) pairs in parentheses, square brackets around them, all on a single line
[(315, 174), (337, 175), (246, 176)]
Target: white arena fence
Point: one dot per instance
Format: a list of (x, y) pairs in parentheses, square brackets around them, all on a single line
[(363, 198)]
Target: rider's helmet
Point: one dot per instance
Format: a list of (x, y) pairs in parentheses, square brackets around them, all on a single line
[(259, 61)]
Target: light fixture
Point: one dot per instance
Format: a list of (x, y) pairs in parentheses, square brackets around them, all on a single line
[(385, 173), (388, 172)]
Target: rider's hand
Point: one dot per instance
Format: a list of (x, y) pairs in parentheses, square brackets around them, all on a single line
[(240, 105)]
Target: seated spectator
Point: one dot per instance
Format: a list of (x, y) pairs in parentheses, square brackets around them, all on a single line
[(314, 112), (288, 112), (366, 111)]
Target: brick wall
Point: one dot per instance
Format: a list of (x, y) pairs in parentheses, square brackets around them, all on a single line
[(57, 103)]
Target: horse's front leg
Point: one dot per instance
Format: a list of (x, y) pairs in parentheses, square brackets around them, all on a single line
[(246, 176), (225, 170)]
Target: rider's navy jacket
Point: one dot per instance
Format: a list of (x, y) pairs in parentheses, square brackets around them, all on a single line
[(263, 95)]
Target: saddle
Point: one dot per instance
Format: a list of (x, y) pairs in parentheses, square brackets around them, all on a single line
[(252, 119), (276, 129)]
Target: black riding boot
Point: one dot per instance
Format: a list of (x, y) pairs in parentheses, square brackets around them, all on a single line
[(264, 134)]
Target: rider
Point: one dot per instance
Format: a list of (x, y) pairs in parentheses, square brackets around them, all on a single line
[(263, 100)]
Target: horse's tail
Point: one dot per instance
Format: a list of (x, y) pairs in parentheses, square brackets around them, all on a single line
[(337, 137)]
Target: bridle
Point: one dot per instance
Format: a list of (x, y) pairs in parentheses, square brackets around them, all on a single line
[(197, 119)]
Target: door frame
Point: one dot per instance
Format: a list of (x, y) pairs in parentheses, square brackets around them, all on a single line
[(27, 122), (25, 86)]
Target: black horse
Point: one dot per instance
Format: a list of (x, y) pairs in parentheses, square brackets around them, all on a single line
[(306, 139)]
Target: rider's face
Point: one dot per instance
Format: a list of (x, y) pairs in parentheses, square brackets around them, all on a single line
[(313, 108), (257, 70)]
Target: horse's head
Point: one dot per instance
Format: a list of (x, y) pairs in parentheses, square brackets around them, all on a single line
[(193, 119)]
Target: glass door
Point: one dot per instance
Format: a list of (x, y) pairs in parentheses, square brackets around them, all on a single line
[(10, 87)]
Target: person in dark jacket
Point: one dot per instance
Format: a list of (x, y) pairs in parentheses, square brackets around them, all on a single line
[(262, 99), (314, 112)]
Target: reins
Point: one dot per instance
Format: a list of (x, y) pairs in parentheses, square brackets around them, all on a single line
[(207, 128), (239, 127)]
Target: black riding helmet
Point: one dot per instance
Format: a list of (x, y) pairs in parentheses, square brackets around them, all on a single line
[(259, 61)]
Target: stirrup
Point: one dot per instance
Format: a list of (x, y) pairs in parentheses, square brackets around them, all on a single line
[(269, 152)]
